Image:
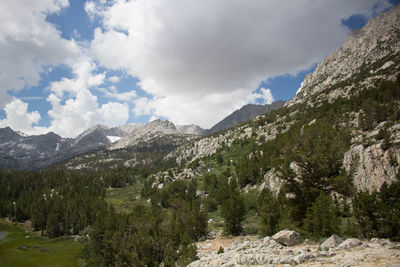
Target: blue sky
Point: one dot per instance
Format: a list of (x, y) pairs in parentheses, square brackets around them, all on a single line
[(71, 65)]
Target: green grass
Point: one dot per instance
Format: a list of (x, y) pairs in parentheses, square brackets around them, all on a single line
[(126, 198), (17, 250), (217, 221)]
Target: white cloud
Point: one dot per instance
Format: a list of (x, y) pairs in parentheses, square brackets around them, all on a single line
[(264, 95), (197, 57), (208, 109), (83, 112), (301, 87), (84, 77), (113, 94), (153, 118), (19, 119), (114, 79), (143, 106), (81, 109), (28, 43)]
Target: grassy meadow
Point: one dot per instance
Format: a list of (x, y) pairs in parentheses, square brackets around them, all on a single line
[(19, 248)]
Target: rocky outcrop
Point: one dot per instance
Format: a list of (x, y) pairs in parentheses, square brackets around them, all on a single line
[(253, 251), (370, 162), (272, 181)]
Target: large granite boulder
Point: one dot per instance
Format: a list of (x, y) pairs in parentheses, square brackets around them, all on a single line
[(331, 242), (287, 237), (350, 243)]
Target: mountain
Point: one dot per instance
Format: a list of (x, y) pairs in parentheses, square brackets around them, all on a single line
[(190, 129), (128, 128), (246, 113), (156, 126), (144, 145), (355, 90), (29, 152), (369, 54)]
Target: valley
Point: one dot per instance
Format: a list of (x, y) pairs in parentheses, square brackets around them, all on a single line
[(324, 165)]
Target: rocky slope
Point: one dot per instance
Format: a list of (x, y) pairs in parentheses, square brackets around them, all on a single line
[(255, 251), (29, 152), (369, 56), (246, 113), (372, 51), (145, 151)]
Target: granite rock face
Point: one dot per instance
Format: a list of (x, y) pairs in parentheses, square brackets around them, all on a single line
[(373, 164)]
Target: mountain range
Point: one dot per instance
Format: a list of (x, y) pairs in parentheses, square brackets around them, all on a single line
[(20, 151), (369, 59)]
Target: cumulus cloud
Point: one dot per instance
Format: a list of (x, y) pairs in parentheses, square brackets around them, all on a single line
[(187, 52), (28, 43), (19, 119), (265, 96), (75, 108), (113, 93), (114, 79), (206, 110), (85, 77), (82, 112)]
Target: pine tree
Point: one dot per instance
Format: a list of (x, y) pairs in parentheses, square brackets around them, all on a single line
[(322, 218), (233, 211), (269, 213)]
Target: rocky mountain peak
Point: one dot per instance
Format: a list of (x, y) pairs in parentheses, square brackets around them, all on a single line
[(246, 113), (89, 131), (369, 53), (153, 127), (166, 126), (190, 129), (7, 135)]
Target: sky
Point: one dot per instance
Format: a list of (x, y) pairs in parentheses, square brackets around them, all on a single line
[(66, 66)]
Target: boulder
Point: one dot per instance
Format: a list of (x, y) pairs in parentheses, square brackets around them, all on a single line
[(350, 243), (382, 242), (331, 242), (287, 237)]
